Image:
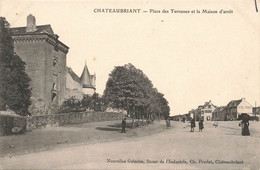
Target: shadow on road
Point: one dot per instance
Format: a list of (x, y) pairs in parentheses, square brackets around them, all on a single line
[(118, 125), (108, 129), (114, 127)]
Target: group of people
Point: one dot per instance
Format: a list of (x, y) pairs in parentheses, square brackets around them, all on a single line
[(193, 125), (244, 124)]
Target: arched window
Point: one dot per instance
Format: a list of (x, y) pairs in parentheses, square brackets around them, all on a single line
[(55, 62), (54, 87), (53, 96)]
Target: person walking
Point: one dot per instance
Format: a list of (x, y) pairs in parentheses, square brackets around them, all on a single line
[(192, 124), (168, 123), (201, 126), (123, 125)]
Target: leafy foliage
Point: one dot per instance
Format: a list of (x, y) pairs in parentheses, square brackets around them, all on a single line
[(94, 102), (130, 89), (14, 81), (71, 104)]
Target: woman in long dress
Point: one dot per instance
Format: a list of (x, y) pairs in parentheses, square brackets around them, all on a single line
[(201, 125), (245, 128), (192, 124)]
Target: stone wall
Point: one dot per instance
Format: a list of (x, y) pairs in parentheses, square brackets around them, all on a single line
[(71, 118)]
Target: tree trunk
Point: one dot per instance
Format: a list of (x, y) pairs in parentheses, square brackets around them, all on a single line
[(138, 119)]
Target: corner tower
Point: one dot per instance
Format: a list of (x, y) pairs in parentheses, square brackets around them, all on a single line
[(45, 58), (88, 81)]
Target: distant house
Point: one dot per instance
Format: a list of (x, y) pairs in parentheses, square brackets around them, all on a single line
[(176, 117), (237, 107), (191, 114), (205, 111)]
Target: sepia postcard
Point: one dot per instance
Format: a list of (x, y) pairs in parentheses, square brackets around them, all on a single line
[(129, 84)]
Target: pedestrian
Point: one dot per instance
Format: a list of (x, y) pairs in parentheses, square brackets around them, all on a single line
[(192, 124), (123, 125), (201, 125), (168, 123), (245, 128)]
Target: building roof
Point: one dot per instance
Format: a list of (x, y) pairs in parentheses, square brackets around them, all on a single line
[(234, 103), (219, 109), (85, 78), (207, 103), (40, 29), (73, 75)]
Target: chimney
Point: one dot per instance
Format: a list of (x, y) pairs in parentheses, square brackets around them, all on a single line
[(31, 23)]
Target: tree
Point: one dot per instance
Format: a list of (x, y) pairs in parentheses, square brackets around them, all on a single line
[(124, 89), (2, 30), (14, 81), (130, 89)]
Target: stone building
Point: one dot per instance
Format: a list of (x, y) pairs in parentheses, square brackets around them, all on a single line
[(45, 57)]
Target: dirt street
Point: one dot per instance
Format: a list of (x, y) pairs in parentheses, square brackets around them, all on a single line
[(176, 148)]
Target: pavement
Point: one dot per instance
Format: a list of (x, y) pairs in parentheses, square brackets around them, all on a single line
[(222, 147)]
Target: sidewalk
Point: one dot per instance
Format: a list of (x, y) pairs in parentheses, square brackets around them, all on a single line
[(65, 136)]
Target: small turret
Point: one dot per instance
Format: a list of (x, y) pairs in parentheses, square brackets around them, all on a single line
[(85, 78)]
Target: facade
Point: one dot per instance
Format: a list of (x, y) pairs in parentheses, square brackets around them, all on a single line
[(205, 111), (45, 58), (237, 107)]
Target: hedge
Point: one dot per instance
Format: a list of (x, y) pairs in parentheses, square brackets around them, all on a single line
[(11, 124)]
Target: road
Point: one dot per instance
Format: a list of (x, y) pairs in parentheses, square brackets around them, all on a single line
[(174, 148)]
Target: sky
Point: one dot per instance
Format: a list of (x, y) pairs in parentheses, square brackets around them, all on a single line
[(191, 58)]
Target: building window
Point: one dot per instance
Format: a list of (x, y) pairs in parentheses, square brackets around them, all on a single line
[(209, 106), (54, 92), (53, 96), (55, 62), (54, 87)]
